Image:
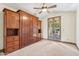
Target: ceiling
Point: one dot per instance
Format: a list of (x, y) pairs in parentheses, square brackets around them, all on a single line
[(29, 7)]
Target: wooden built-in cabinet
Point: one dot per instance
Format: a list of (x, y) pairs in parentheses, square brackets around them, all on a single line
[(39, 30), (29, 27), (20, 29), (11, 31), (35, 29), (24, 28)]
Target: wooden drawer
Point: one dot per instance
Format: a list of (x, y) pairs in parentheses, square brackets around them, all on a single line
[(16, 38), (10, 44), (16, 42), (10, 39), (10, 49)]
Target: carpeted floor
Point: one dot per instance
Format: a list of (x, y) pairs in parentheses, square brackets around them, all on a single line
[(47, 48)]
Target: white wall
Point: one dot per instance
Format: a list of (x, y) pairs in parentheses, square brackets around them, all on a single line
[(44, 28), (67, 26), (77, 27), (1, 30)]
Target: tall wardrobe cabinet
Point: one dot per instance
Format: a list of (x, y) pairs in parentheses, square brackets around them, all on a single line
[(11, 31)]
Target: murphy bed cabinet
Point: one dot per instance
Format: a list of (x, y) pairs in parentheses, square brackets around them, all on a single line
[(28, 28), (20, 29), (25, 29)]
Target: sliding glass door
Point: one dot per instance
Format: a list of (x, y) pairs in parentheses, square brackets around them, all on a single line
[(54, 28)]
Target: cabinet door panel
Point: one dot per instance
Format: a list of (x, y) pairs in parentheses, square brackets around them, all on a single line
[(35, 29), (24, 23), (12, 20)]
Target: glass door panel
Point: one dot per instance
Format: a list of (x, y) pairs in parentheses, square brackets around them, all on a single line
[(54, 28)]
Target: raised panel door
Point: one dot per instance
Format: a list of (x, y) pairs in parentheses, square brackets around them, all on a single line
[(24, 24), (12, 20), (35, 29)]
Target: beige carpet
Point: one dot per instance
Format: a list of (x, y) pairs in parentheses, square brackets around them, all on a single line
[(47, 48)]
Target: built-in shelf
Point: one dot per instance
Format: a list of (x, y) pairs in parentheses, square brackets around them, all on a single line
[(39, 30), (12, 32)]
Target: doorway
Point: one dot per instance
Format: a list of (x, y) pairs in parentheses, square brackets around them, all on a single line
[(54, 28)]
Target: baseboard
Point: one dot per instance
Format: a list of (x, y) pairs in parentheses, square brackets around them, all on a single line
[(44, 38), (61, 41), (68, 42), (1, 50)]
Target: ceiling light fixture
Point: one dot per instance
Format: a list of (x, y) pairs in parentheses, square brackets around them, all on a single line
[(44, 10)]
